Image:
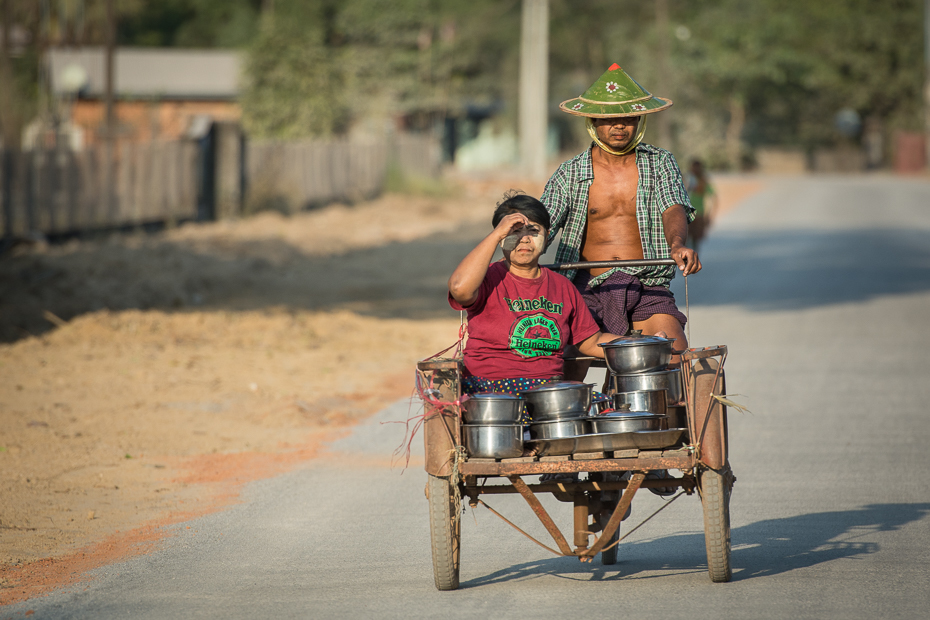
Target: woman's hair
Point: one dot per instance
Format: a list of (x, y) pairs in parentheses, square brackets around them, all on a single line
[(515, 201)]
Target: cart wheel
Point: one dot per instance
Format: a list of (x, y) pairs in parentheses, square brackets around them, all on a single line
[(715, 496), (445, 529)]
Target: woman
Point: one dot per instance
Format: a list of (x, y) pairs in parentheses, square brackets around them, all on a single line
[(520, 315)]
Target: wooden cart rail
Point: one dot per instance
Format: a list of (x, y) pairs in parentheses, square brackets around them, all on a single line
[(682, 459)]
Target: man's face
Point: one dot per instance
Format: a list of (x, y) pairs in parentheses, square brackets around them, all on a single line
[(617, 133)]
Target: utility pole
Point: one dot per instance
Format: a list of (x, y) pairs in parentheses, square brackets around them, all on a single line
[(927, 82), (109, 136), (534, 92), (663, 125)]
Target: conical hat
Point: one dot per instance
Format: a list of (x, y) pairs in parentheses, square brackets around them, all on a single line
[(615, 94)]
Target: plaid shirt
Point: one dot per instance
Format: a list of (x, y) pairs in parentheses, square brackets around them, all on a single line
[(660, 186)]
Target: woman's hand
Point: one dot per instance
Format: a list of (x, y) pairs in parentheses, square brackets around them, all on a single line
[(466, 280), (589, 345), (511, 223)]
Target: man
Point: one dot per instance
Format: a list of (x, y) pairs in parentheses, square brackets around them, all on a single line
[(622, 199), (703, 199)]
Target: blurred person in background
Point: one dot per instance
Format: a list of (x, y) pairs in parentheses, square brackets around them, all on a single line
[(622, 199), (703, 199)]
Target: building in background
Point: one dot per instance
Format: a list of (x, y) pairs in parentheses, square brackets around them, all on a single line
[(160, 93)]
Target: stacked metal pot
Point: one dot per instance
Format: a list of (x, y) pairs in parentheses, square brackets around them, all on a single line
[(643, 385), (644, 391), (558, 409), (492, 427)]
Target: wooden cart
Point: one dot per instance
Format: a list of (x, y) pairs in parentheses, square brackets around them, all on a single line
[(601, 498)]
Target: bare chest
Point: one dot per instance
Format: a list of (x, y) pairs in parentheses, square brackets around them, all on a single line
[(613, 193)]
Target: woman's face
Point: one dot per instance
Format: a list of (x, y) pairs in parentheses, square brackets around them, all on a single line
[(524, 246)]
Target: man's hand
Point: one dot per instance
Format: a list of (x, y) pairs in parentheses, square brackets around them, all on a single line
[(676, 232), (686, 259)]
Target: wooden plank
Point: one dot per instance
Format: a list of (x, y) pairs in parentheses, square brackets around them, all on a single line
[(440, 364), (589, 456), (520, 459), (626, 454), (72, 195), (548, 465), (554, 459)]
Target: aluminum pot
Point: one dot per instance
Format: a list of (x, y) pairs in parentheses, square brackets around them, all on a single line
[(559, 429), (669, 380), (637, 353), (490, 408), (651, 401), (493, 441), (557, 401), (625, 422)]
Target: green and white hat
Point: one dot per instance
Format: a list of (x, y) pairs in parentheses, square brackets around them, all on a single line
[(615, 94)]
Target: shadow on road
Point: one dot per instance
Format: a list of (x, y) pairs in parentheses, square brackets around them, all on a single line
[(797, 269), (761, 549)]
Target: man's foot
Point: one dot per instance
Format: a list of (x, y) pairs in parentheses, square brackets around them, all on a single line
[(660, 474)]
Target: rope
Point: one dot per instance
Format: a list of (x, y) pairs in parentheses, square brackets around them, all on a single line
[(687, 312), (643, 522), (610, 546), (546, 547)]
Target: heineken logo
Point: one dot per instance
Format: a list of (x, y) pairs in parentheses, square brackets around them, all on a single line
[(526, 305), (535, 336)]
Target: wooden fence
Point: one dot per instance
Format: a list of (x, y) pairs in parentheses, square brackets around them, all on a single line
[(62, 191), (55, 192), (296, 175)]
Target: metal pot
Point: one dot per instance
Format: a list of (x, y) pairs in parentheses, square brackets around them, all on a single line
[(558, 401), (490, 408), (558, 429), (637, 353), (493, 441), (669, 380), (651, 401), (625, 422)]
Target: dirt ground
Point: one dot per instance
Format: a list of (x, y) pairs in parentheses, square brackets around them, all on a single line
[(147, 376)]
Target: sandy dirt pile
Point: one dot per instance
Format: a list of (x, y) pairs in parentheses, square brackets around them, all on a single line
[(147, 376)]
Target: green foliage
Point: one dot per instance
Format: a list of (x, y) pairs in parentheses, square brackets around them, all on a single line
[(188, 23), (319, 65), (322, 67)]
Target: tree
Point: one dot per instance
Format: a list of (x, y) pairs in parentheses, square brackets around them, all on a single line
[(318, 66)]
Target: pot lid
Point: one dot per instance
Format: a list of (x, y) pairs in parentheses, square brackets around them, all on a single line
[(492, 396), (625, 415), (635, 339), (557, 385)]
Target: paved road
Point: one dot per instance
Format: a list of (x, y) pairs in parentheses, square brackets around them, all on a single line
[(821, 289)]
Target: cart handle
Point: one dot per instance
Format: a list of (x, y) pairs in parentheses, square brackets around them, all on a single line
[(601, 264)]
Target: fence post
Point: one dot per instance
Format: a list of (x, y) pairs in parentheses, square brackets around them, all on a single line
[(6, 191), (229, 170)]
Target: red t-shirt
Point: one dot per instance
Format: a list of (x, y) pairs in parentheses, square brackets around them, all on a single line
[(518, 327)]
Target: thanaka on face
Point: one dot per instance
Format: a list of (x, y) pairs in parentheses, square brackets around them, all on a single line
[(524, 246)]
